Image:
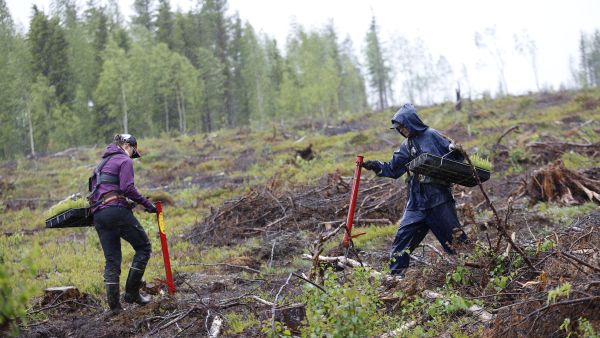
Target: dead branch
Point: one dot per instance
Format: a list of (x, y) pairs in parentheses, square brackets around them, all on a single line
[(243, 267), (287, 281), (501, 228), (310, 282), (506, 132), (566, 254)]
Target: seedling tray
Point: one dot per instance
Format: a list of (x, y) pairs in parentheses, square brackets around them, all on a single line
[(447, 170), (72, 218)]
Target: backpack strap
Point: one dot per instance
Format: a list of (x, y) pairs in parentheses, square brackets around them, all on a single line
[(100, 178)]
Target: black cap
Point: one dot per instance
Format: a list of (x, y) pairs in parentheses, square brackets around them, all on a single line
[(130, 139)]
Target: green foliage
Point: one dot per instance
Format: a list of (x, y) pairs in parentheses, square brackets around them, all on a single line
[(14, 291), (237, 323), (584, 328), (280, 330), (562, 290), (459, 276), (546, 246), (346, 310), (447, 306)]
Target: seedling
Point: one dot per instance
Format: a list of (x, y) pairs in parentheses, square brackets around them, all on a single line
[(481, 162), (66, 205)]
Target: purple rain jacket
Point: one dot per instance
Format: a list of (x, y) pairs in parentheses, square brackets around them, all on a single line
[(120, 164)]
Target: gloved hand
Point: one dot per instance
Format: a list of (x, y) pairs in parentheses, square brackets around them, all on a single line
[(372, 165), (151, 208)]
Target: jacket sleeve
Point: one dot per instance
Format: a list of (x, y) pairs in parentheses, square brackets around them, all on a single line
[(126, 184), (397, 166), (444, 145)]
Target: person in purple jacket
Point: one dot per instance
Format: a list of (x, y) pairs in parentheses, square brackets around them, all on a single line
[(111, 186)]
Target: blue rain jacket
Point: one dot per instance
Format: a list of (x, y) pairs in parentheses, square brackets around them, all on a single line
[(422, 139)]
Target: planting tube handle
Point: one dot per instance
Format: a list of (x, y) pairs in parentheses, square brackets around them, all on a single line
[(353, 196), (165, 248)]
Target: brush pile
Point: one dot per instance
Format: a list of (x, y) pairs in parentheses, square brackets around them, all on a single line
[(267, 210), (555, 183)]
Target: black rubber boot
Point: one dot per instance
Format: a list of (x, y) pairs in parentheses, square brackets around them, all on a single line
[(112, 297), (132, 287)]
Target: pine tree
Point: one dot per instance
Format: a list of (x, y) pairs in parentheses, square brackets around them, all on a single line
[(378, 70), (211, 75), (143, 14), (215, 37), (6, 22), (165, 24), (14, 89), (49, 50), (239, 100)]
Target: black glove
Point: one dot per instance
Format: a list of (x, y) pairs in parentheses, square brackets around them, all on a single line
[(151, 208), (372, 165)]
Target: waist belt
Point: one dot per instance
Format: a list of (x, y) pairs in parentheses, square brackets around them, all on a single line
[(109, 197), (108, 178)]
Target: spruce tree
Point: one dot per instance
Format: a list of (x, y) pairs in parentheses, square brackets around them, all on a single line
[(377, 68), (143, 14), (165, 24)]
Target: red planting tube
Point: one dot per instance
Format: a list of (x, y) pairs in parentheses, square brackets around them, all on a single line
[(165, 248), (355, 182)]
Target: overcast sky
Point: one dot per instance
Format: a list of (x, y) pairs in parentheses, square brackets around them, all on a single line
[(446, 27)]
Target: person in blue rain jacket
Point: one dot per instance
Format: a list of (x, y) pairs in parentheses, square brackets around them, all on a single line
[(430, 204)]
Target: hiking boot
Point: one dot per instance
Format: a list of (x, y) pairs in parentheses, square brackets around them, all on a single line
[(112, 298), (132, 287)]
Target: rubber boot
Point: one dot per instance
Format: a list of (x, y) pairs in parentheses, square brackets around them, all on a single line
[(112, 297), (132, 287)]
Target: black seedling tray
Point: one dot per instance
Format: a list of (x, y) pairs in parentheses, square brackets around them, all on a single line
[(447, 170), (72, 218)]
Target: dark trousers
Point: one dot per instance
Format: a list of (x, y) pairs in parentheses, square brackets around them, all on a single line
[(441, 220), (112, 224)]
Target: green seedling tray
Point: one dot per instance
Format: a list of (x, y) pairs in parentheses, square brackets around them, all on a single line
[(447, 170), (72, 218)]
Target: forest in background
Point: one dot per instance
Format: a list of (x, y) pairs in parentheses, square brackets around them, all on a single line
[(78, 75)]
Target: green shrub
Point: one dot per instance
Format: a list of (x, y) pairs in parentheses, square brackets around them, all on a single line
[(14, 291), (348, 310)]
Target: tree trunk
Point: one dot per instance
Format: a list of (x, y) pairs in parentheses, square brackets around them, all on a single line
[(260, 101), (179, 110), (183, 115), (30, 131), (124, 98), (166, 114)]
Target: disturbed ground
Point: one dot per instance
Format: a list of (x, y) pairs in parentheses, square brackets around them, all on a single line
[(527, 269), (239, 286)]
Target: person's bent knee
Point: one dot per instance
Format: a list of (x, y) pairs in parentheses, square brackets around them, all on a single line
[(142, 256)]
